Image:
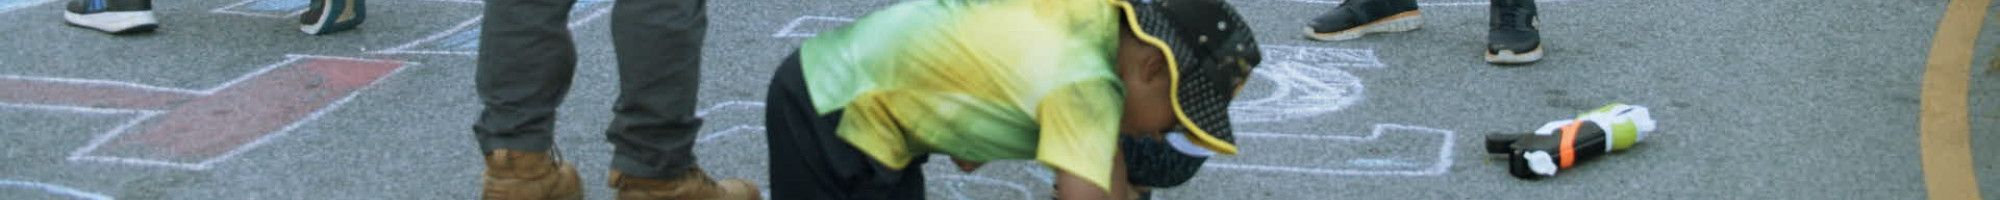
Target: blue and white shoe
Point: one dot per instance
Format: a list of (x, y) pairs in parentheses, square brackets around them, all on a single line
[(328, 16), (112, 16)]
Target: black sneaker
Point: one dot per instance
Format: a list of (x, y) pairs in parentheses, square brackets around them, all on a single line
[(1514, 38), (328, 16), (1355, 18), (112, 16)]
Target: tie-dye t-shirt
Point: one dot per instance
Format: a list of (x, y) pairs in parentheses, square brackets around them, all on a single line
[(976, 80)]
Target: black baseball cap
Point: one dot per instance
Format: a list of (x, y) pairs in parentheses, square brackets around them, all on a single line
[(1209, 49)]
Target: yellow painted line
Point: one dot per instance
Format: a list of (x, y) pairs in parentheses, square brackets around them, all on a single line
[(1943, 121)]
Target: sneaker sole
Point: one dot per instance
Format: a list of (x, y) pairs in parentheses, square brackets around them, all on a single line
[(1509, 57), (329, 20), (114, 22), (1406, 21)]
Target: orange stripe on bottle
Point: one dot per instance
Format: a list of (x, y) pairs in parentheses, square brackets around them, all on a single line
[(1567, 150)]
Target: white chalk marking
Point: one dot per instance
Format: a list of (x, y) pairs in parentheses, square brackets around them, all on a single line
[(592, 16), (733, 129), (789, 29), (407, 47), (730, 131), (6, 8), (728, 104), (309, 117), (1304, 82), (404, 48), (79, 154), (74, 109), (142, 162), (226, 10), (82, 154), (957, 190), (55, 189), (104, 83), (1442, 166)]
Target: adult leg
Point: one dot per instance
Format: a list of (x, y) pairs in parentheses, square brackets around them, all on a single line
[(659, 66), (526, 61)]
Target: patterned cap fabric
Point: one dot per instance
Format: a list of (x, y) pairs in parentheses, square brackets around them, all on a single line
[(1209, 49)]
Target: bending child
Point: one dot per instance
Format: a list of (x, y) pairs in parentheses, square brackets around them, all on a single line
[(1055, 81)]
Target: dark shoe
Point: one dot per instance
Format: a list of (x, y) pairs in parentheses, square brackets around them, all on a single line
[(695, 184), (1355, 18), (112, 16), (523, 175), (1514, 37), (328, 16)]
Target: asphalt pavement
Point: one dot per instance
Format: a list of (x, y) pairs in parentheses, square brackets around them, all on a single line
[(1775, 99)]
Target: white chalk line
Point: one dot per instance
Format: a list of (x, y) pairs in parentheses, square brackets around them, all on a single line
[(104, 83), (787, 31), (406, 47), (733, 129), (958, 191), (1305, 82), (57, 189), (456, 53), (314, 116), (594, 14), (225, 10), (73, 108), (1442, 166), (1299, 91), (24, 5), (727, 104), (1347, 57), (729, 131), (82, 154)]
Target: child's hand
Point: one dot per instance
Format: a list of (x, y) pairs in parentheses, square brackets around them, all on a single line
[(966, 165)]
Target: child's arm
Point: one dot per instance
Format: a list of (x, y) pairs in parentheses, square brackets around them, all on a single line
[(1071, 187)]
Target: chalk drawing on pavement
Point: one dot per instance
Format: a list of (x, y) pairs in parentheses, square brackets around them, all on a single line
[(955, 186), (265, 8), (11, 5), (1369, 155), (1294, 83), (194, 129), (53, 189), (1303, 82), (807, 26), (463, 39)]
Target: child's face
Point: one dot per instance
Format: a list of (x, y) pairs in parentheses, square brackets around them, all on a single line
[(1143, 69)]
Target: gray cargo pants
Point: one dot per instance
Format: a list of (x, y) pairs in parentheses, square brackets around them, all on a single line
[(526, 61)]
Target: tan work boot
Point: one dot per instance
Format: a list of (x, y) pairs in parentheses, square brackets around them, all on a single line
[(694, 185), (516, 175)]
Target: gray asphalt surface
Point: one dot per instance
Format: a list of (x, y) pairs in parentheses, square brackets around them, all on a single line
[(1985, 105), (1778, 99)]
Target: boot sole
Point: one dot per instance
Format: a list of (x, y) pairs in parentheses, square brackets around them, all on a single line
[(114, 22), (1510, 57), (1406, 21)]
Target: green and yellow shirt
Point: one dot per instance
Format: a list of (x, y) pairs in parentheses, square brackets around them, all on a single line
[(976, 80)]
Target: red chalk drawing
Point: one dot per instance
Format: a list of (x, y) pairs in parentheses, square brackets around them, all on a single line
[(192, 129)]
